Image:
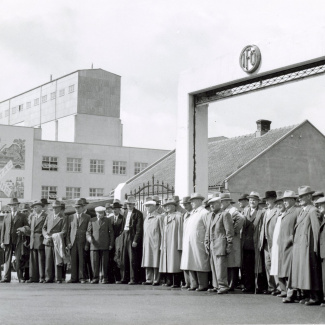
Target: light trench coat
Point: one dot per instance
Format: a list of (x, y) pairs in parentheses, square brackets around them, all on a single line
[(152, 228), (194, 256), (171, 243)]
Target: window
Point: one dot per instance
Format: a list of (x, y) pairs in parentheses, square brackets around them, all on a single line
[(97, 166), (44, 99), (119, 167), (53, 95), (74, 165), (36, 101), (138, 167), (96, 192), (50, 163), (61, 92), (13, 110), (20, 107), (72, 192), (71, 89), (28, 105), (49, 192), (6, 112)]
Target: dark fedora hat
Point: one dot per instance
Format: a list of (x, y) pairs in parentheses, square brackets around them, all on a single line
[(243, 197), (36, 203), (44, 202), (84, 200), (270, 195), (79, 203), (13, 201), (116, 205)]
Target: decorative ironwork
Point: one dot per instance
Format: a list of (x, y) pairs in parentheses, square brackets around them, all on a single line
[(261, 82), (164, 191)]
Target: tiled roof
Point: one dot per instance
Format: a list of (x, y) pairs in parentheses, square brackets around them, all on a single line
[(226, 156)]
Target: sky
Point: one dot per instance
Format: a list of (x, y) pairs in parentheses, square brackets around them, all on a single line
[(149, 43)]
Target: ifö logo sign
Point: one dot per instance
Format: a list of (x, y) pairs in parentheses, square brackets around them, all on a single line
[(250, 58)]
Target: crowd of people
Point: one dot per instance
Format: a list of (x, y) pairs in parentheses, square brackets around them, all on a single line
[(203, 245)]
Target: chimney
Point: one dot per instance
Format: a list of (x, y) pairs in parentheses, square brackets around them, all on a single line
[(263, 126)]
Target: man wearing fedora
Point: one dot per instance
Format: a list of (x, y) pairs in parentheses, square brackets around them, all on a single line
[(306, 272), (252, 264), (285, 242), (114, 274), (9, 238), (131, 252), (270, 217), (171, 244), (56, 222), (218, 243), (243, 203), (151, 242), (194, 256), (234, 257), (37, 248), (320, 204), (100, 235), (77, 242)]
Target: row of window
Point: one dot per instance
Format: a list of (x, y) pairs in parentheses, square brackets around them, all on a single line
[(44, 98), (97, 166), (71, 192)]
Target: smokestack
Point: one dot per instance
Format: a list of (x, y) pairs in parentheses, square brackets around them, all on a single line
[(263, 126)]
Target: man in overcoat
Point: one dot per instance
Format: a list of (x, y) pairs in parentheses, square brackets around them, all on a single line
[(234, 257), (171, 244), (152, 231), (131, 252), (269, 220), (55, 223), (77, 242), (37, 248), (9, 238), (252, 263), (114, 273), (194, 256), (100, 235), (306, 269), (218, 244), (243, 203), (285, 242)]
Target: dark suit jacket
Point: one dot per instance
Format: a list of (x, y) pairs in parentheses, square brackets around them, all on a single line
[(51, 226), (75, 232), (117, 227), (322, 240), (136, 226), (100, 236), (268, 226), (35, 230), (9, 227)]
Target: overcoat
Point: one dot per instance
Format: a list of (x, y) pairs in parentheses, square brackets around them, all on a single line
[(268, 226), (219, 233), (322, 250), (171, 243), (285, 241), (76, 231), (194, 256), (305, 258), (234, 258), (35, 230), (9, 227), (152, 228), (117, 226), (52, 226), (100, 234), (251, 235), (135, 226)]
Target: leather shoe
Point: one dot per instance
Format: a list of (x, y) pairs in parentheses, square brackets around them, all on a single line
[(71, 281), (322, 304), (221, 292), (201, 289), (59, 281), (265, 292), (288, 301), (282, 295), (185, 287), (275, 293), (191, 289), (147, 283), (94, 281), (246, 290), (48, 281), (303, 301), (83, 281), (5, 281), (118, 282), (155, 284), (104, 282), (30, 281), (312, 302), (41, 281), (213, 290), (175, 286), (131, 283)]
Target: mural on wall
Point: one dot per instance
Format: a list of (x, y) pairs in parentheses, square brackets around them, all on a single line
[(12, 156)]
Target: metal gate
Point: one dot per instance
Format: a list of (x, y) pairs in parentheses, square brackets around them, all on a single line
[(164, 191)]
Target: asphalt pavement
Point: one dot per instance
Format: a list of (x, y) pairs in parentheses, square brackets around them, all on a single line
[(65, 304)]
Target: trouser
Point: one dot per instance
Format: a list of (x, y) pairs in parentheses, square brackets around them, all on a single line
[(88, 272), (77, 253), (285, 288), (323, 276), (219, 271), (37, 264), (173, 279), (51, 269), (152, 274), (131, 259), (99, 263), (187, 278), (199, 279), (271, 283), (233, 277), (114, 272), (248, 270), (312, 295), (8, 251)]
